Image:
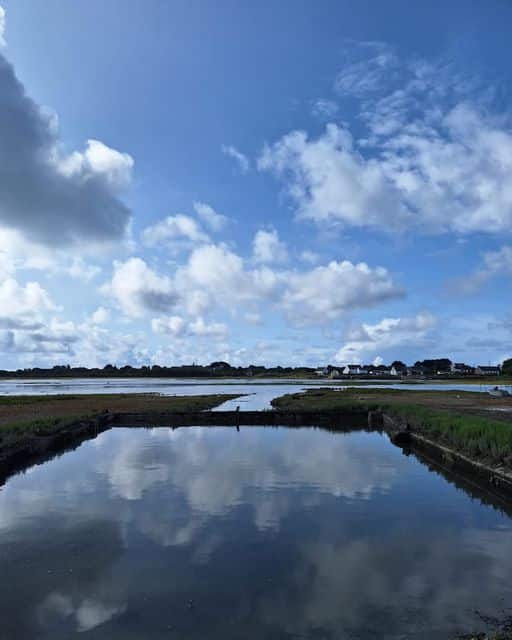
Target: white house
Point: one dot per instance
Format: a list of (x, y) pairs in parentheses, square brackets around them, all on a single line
[(352, 370), (482, 370), (378, 371), (460, 367)]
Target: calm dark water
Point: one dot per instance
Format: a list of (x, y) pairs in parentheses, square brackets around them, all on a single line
[(207, 533)]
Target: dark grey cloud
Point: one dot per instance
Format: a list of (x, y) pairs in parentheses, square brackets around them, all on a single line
[(158, 301), (49, 198), (14, 342), (64, 339), (20, 324)]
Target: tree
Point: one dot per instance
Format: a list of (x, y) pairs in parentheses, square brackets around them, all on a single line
[(434, 365), (506, 367), (399, 365), (220, 364)]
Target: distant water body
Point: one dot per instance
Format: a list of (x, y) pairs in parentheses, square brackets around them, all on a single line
[(259, 393)]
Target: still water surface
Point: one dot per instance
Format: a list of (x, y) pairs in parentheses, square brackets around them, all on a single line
[(267, 533)]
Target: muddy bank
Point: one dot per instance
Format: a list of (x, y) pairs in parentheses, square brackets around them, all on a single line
[(36, 449), (35, 428), (341, 420), (16, 410)]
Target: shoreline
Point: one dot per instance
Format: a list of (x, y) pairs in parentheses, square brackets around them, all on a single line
[(270, 379), (36, 447), (63, 421)]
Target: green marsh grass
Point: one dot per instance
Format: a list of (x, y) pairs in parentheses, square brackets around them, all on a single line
[(477, 436)]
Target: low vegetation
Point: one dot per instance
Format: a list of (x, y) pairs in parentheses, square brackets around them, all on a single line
[(40, 426), (502, 630), (498, 635), (477, 436), (26, 416), (456, 419)]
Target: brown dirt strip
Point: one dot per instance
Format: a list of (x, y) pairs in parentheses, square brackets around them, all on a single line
[(29, 408)]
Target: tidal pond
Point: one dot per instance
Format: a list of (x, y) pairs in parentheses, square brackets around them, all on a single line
[(264, 533)]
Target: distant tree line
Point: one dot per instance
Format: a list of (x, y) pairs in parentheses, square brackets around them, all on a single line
[(221, 369), (215, 369)]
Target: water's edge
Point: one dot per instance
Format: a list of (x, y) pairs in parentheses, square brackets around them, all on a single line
[(39, 449)]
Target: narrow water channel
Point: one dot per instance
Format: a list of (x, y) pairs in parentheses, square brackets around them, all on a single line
[(264, 533)]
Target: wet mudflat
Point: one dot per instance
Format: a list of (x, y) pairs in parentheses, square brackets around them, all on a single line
[(263, 533)]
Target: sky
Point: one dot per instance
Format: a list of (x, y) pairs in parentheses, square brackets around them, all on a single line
[(274, 183)]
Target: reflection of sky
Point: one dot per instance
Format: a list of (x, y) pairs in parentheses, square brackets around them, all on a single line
[(206, 532)]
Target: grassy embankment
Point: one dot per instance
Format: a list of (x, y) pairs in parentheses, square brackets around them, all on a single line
[(456, 419), (494, 635), (499, 381), (503, 632), (25, 416)]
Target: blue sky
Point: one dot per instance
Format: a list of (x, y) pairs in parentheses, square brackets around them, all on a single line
[(280, 183)]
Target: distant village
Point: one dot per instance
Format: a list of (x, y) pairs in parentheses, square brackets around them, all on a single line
[(434, 368)]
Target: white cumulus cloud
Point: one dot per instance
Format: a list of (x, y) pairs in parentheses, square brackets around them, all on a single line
[(178, 327), (174, 229), (368, 340), (435, 156), (115, 167), (330, 180), (267, 247), (21, 300), (215, 278), (100, 316), (215, 221), (172, 325), (327, 292), (137, 288)]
